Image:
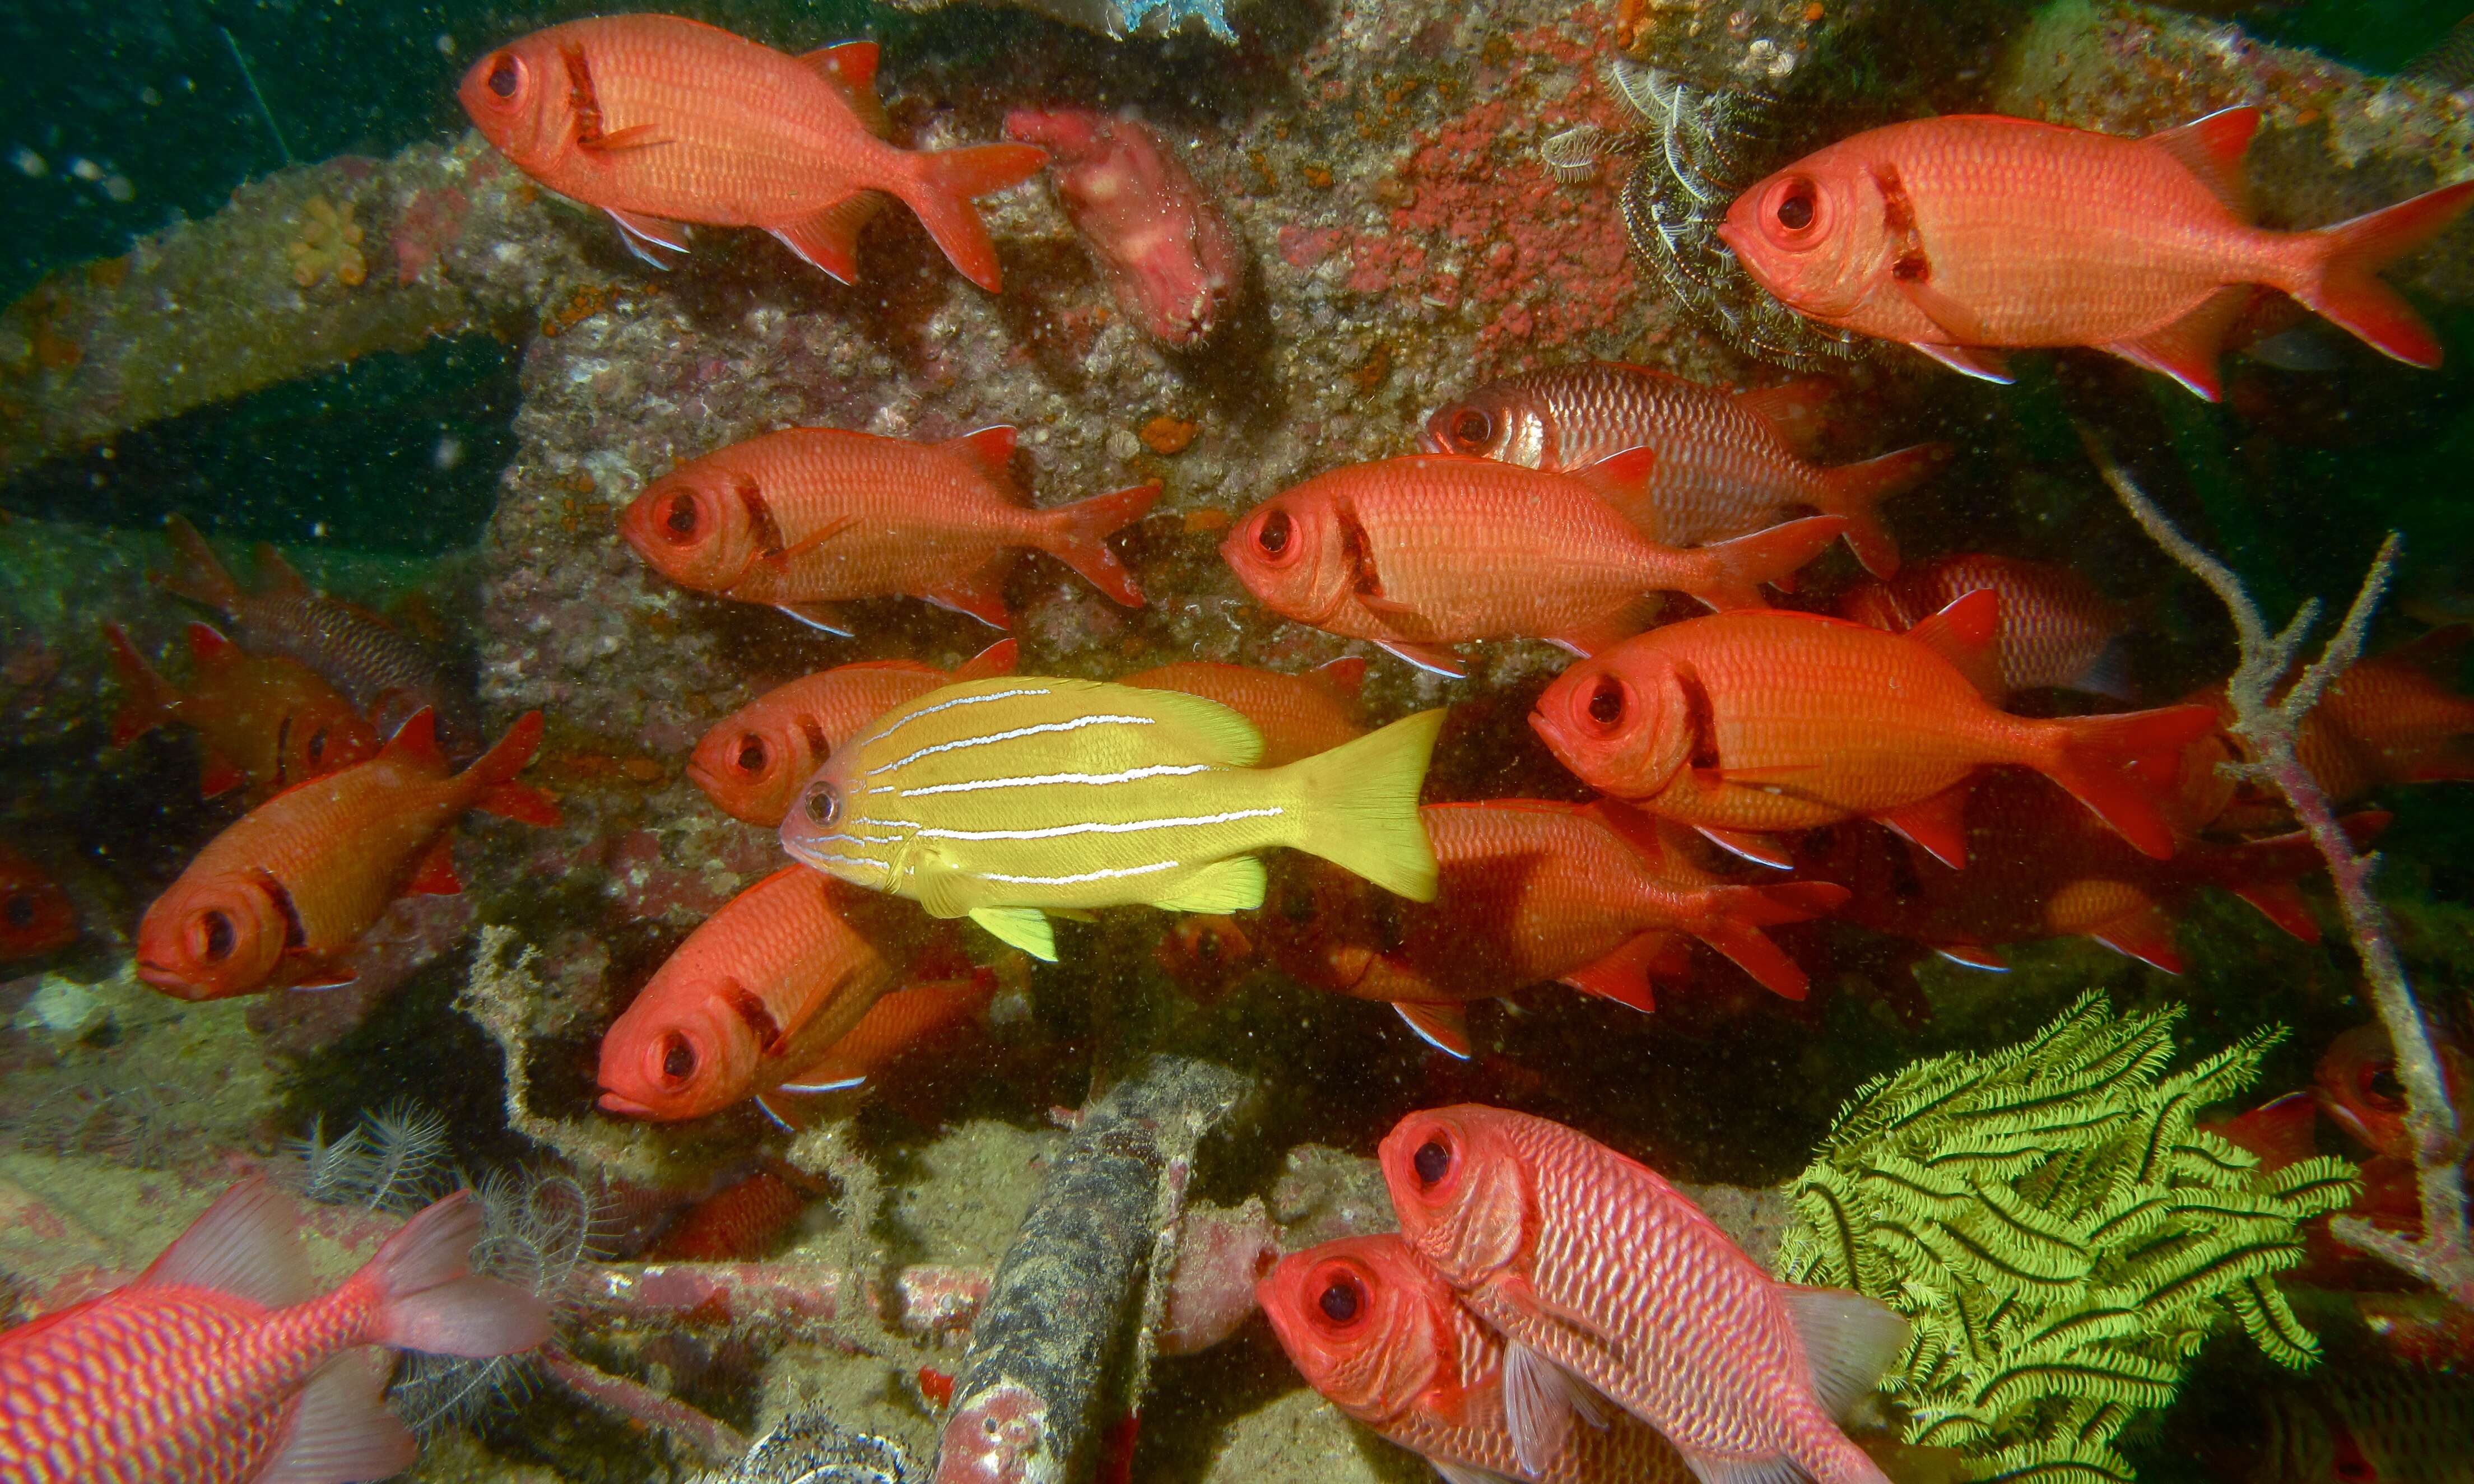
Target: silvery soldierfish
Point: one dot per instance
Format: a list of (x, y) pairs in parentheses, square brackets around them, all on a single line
[(999, 799)]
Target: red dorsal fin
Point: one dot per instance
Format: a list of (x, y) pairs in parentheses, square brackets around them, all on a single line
[(2212, 148), (1344, 677), (275, 577), (1938, 824), (851, 67), (1443, 1026), (1965, 633), (1794, 411), (248, 1244), (997, 659), (991, 450), (209, 649), (151, 700), (435, 875), (416, 741)]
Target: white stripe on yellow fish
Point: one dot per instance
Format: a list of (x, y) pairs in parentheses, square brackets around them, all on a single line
[(1054, 794)]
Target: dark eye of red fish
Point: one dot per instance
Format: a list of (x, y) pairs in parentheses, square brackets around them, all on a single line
[(219, 936), (19, 912), (1472, 429), (2381, 1086), (751, 753), (502, 78), (1607, 701), (1273, 537), (681, 517), (1432, 1162), (1795, 208), (678, 1058), (1341, 1299), (317, 745)]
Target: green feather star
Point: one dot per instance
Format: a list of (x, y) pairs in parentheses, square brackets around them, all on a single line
[(2060, 1235)]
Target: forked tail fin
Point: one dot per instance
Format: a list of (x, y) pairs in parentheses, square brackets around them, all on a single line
[(202, 578), (942, 194), (1855, 491), (2093, 760), (1079, 538), (426, 1299), (147, 698), (1361, 806), (2339, 280), (1737, 569), (492, 776)]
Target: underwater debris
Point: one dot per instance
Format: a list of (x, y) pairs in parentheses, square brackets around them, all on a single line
[(2061, 1235), (1121, 18), (812, 1448), (1030, 1400), (1694, 150), (327, 246)]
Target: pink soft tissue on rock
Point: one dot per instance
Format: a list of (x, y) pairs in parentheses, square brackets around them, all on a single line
[(1169, 255)]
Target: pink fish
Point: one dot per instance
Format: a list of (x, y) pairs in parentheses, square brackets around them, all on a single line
[(1168, 255), (221, 1364), (1592, 1267)]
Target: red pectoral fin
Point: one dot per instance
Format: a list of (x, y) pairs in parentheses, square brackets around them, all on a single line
[(637, 136), (810, 542)]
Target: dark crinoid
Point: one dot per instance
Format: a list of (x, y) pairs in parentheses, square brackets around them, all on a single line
[(1694, 150), (812, 1448)]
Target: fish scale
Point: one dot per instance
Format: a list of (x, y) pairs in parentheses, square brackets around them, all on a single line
[(1596, 1263)]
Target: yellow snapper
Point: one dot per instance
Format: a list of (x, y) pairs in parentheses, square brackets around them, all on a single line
[(1003, 799)]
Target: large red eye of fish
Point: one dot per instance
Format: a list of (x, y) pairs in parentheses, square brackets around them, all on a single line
[(1342, 1300), (678, 1058), (2380, 1087), (19, 912), (214, 936), (1606, 704), (317, 747), (1274, 536), (679, 517), (1472, 429), (751, 753), (506, 74), (1794, 209), (1432, 1162), (823, 805)]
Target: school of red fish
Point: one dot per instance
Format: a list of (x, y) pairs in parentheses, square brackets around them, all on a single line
[(1920, 759)]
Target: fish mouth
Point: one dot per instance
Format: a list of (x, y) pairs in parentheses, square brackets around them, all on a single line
[(702, 777), (166, 979), (626, 1106)]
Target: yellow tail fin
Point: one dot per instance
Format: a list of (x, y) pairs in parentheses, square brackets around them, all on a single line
[(1361, 806)]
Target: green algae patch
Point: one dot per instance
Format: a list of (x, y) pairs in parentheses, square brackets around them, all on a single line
[(2059, 1232)]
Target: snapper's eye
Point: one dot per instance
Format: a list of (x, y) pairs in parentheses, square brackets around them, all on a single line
[(1796, 205), (751, 753), (2380, 1085), (215, 936), (823, 805), (1273, 535), (678, 1058), (19, 912), (1471, 428), (1432, 1162), (504, 77), (1342, 1300), (679, 516), (1606, 704)]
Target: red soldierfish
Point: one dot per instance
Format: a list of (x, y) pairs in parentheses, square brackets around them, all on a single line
[(1298, 715), (758, 992), (2039, 865), (1384, 1340), (1169, 258), (754, 761), (280, 897), (809, 515), (1740, 723), (2057, 629), (659, 120), (386, 674), (1423, 552), (1727, 463), (36, 915), (2357, 1085), (221, 1362), (1964, 236), (1532, 889), (1591, 1266), (265, 723)]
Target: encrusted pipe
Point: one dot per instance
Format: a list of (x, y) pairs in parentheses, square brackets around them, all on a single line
[(1064, 1311)]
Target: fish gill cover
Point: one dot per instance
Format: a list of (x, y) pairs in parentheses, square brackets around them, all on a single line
[(2061, 1233)]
